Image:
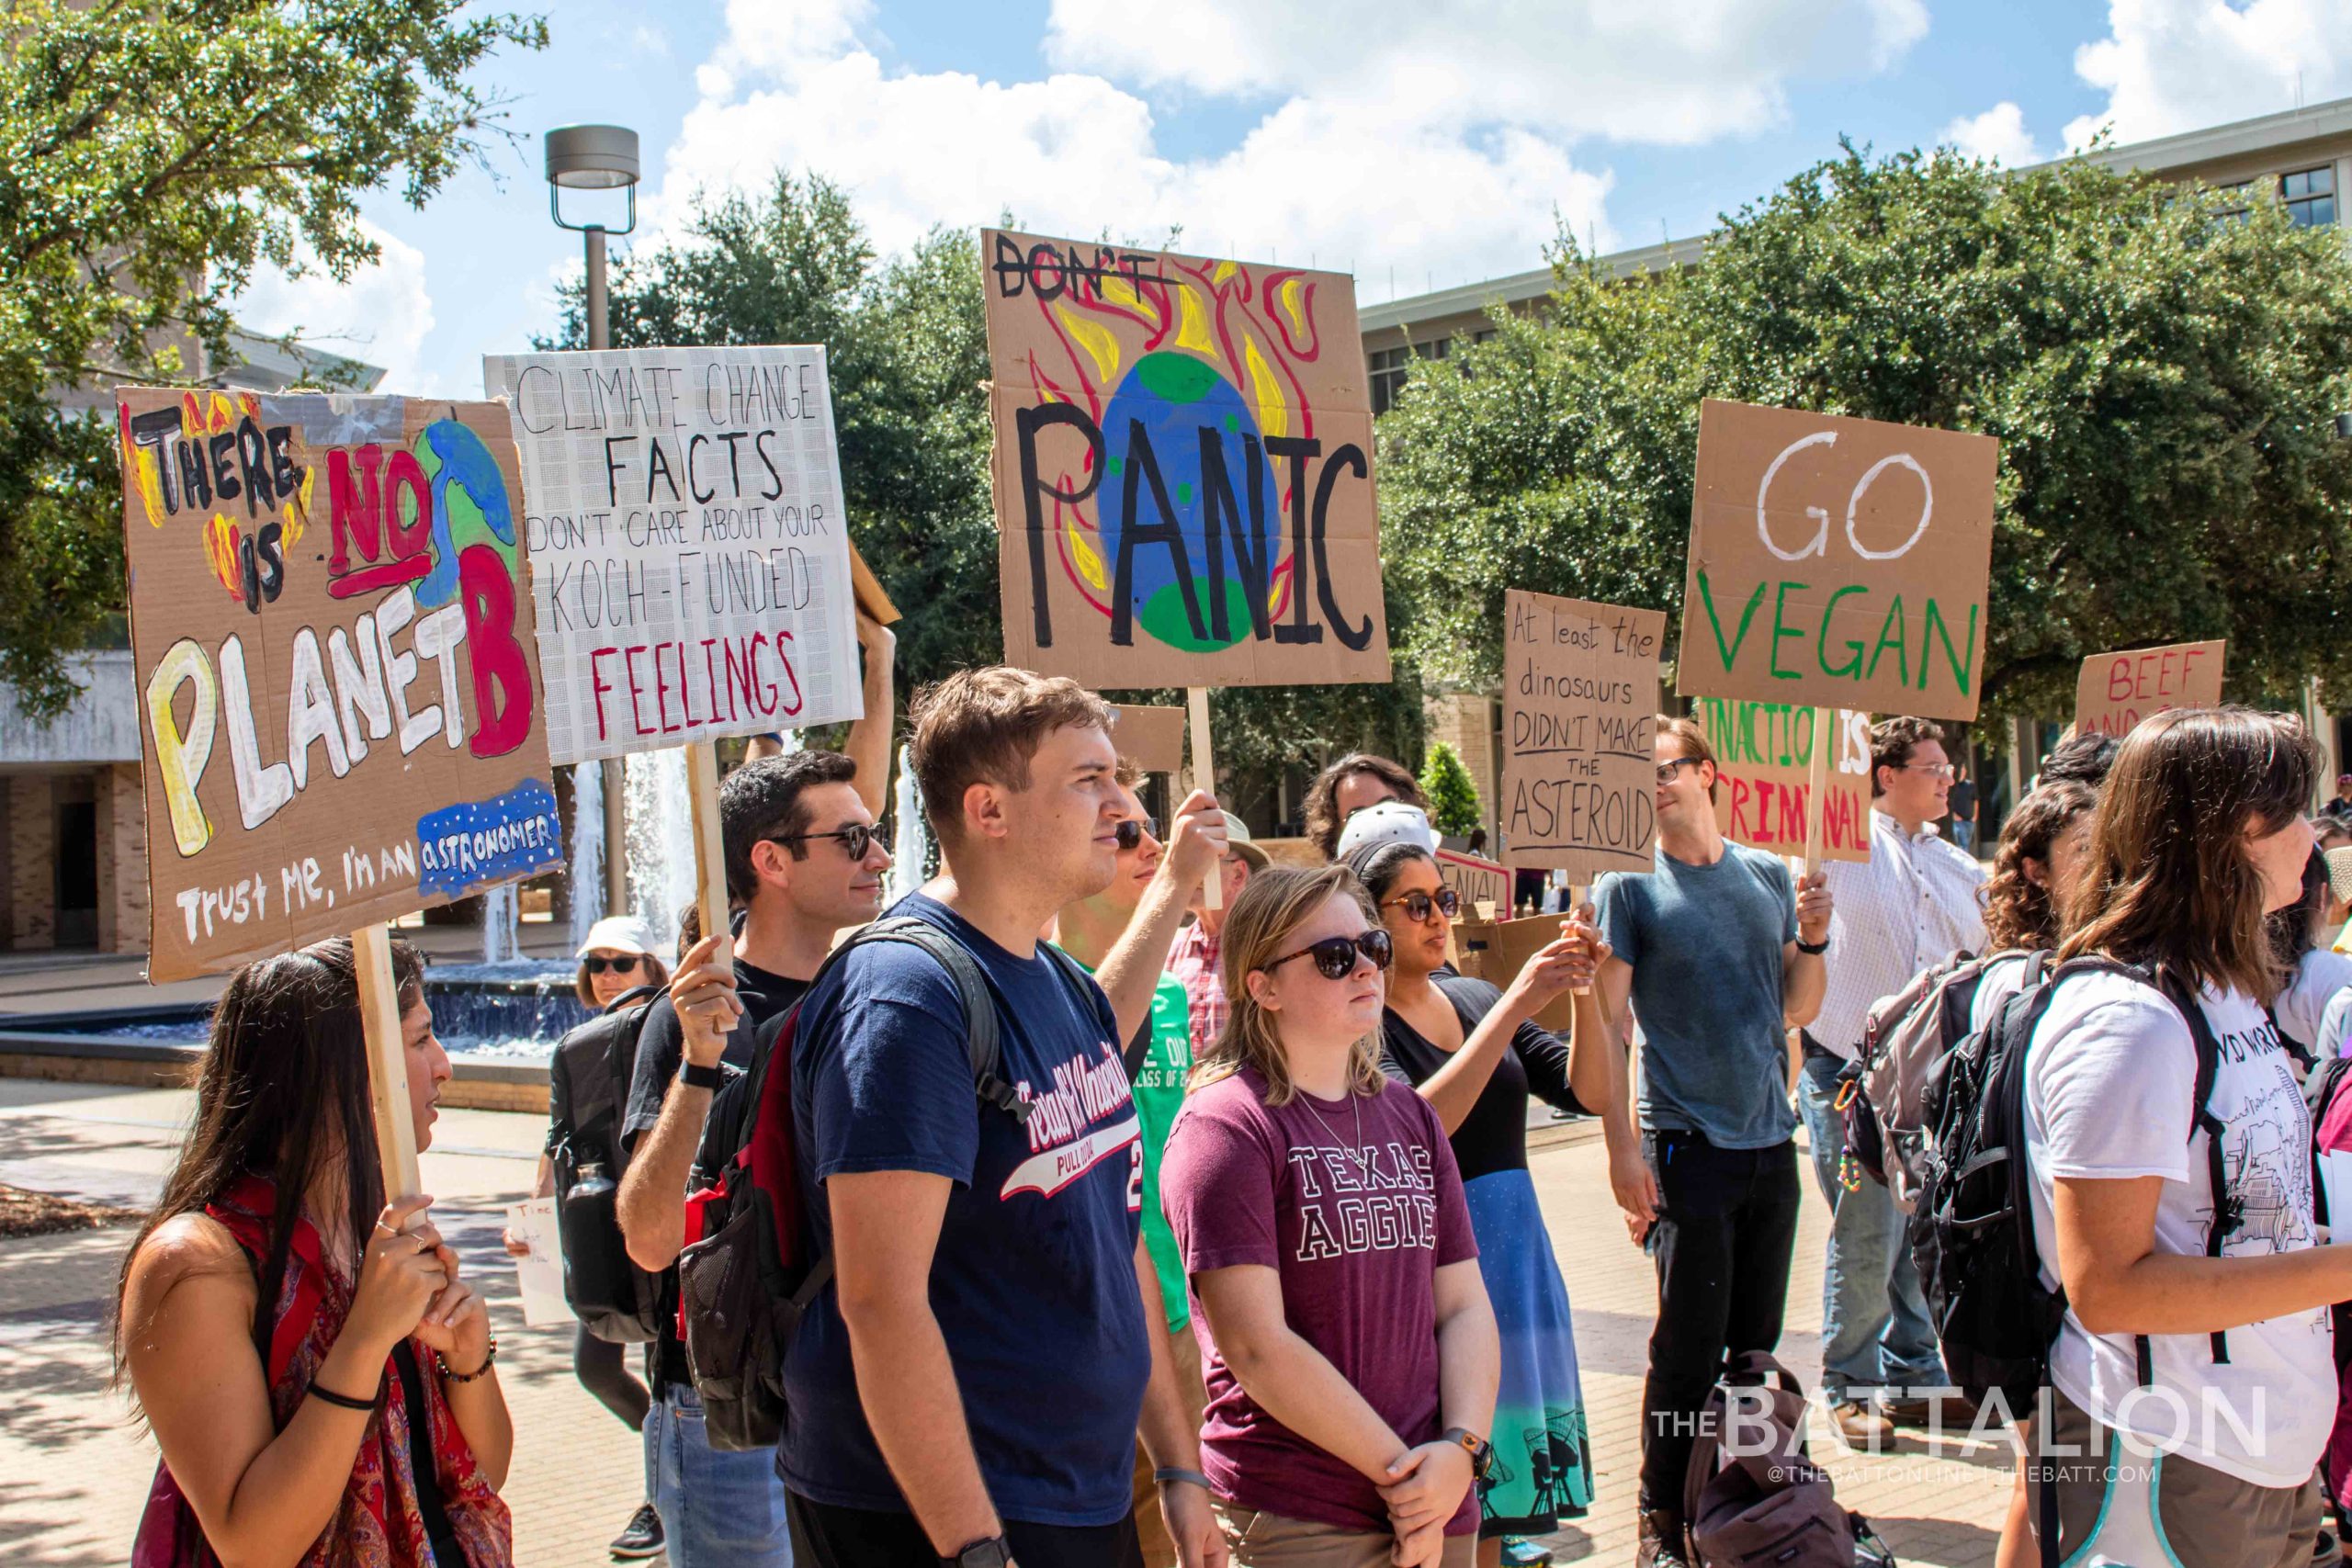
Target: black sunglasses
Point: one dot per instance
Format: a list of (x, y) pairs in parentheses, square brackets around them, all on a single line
[(856, 838), (1132, 831), (1335, 956), (1417, 904), (621, 966)]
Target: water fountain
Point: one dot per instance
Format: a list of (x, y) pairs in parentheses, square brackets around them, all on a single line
[(912, 845), (587, 848), (659, 808), (500, 943)]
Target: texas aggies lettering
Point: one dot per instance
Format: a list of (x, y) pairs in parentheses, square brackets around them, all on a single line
[(1379, 1198)]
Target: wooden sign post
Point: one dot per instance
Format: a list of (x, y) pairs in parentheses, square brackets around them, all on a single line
[(1816, 786), (379, 1019), (711, 845), (1205, 778)]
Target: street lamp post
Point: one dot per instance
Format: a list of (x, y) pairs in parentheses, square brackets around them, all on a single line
[(598, 157)]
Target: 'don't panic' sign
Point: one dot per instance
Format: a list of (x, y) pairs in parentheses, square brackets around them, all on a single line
[(1184, 468), (1837, 562)]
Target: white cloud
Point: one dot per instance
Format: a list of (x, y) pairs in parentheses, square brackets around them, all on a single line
[(382, 316), (1998, 133), (2175, 66), (1382, 137)]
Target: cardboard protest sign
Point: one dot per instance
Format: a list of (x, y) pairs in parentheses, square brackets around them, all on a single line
[(1496, 950), (2116, 690), (1764, 759), (1184, 468), (339, 706), (1579, 705), (1151, 738), (688, 555), (1837, 562), (1477, 881)]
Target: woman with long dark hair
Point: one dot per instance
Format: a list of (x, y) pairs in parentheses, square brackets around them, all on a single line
[(2193, 1364), (1350, 1352), (1357, 781), (1474, 1051), (319, 1378)]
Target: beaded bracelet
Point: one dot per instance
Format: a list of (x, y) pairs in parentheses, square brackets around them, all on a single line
[(455, 1376)]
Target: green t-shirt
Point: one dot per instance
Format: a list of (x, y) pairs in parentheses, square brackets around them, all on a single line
[(1160, 1090)]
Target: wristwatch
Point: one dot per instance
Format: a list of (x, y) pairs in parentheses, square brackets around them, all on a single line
[(1481, 1452), (711, 1077), (993, 1552)]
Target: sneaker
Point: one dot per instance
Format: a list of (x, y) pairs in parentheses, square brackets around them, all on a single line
[(643, 1537), (1521, 1552), (1863, 1425), (1660, 1545)]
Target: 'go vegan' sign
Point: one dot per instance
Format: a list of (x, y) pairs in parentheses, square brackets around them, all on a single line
[(1837, 562)]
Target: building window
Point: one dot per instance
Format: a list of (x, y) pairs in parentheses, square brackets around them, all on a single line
[(1389, 367), (2310, 195), (2240, 202)]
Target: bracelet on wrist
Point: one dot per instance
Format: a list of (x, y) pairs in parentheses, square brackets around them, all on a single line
[(340, 1401), (1169, 1473), (489, 1359)]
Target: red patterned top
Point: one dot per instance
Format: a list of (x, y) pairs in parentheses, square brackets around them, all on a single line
[(379, 1524)]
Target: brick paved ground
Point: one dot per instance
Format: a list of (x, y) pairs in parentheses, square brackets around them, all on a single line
[(72, 1471)]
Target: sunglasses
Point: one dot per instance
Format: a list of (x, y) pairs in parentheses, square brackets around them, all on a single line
[(1419, 905), (856, 838), (1335, 956), (623, 966), (1131, 831)]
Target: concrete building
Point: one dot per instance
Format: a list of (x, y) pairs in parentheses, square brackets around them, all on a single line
[(2301, 157), (73, 824)]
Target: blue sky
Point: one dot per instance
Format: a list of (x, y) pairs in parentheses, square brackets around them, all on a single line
[(1421, 142)]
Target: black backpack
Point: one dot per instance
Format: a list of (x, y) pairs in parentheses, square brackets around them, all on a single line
[(750, 1267), (1971, 1235), (612, 1296)]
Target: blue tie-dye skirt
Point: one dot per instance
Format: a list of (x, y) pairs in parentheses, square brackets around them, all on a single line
[(1543, 1468)]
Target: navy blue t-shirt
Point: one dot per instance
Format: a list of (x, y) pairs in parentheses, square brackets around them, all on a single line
[(1034, 1282)]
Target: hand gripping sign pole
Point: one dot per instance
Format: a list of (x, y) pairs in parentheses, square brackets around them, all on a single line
[(1204, 778)]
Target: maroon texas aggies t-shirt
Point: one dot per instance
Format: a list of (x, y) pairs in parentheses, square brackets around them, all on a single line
[(1357, 1232)]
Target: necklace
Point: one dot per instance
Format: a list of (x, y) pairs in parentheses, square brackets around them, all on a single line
[(1355, 1102)]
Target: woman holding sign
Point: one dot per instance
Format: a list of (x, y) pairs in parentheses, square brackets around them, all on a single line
[(319, 1381), (1476, 1053)]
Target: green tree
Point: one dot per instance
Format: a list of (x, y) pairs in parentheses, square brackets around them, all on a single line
[(2162, 384), (907, 354), (150, 155), (1454, 808)]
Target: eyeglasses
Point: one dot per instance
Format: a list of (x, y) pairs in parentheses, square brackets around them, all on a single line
[(1419, 905), (625, 964), (1933, 770), (1132, 831), (855, 838), (1335, 956), (1665, 771)]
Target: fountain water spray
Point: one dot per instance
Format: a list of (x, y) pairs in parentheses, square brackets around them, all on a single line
[(660, 813), (912, 846), (587, 848)]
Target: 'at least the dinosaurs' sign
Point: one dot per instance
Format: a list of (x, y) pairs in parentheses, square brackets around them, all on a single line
[(1184, 468)]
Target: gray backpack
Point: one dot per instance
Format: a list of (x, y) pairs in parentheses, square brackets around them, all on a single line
[(1752, 1494), (1906, 1034)]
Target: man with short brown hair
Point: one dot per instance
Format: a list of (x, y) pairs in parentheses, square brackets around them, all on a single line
[(971, 1386)]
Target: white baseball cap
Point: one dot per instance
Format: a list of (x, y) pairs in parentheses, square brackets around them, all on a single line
[(617, 933), (1390, 822)]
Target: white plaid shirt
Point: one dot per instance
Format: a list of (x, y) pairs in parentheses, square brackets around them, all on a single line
[(1916, 902)]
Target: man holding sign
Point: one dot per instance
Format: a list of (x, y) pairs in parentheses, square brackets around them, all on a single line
[(1713, 949)]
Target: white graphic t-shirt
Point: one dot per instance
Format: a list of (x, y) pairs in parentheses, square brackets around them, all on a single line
[(2109, 1079)]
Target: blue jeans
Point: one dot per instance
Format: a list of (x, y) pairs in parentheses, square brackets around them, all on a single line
[(1874, 1327), (1963, 834), (718, 1510)]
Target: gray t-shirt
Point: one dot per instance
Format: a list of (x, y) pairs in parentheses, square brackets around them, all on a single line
[(1705, 943)]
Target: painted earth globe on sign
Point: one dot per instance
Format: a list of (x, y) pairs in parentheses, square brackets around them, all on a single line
[(1175, 399), (469, 502)]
